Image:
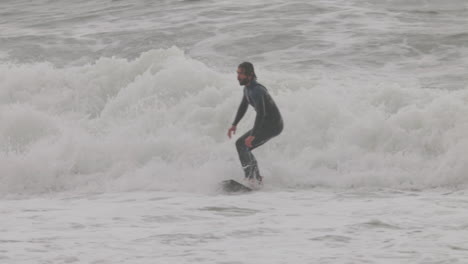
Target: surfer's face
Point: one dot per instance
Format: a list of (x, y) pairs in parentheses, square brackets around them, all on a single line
[(242, 77)]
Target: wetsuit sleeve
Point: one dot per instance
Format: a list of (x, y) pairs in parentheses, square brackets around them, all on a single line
[(259, 101), (241, 111)]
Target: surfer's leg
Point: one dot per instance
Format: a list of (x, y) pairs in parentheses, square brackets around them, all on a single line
[(247, 159), (259, 140), (266, 133)]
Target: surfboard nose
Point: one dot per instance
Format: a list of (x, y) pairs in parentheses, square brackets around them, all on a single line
[(232, 186)]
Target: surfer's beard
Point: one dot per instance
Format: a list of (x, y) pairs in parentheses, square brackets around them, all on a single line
[(243, 81)]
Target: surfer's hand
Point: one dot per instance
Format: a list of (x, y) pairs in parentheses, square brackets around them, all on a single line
[(248, 141), (231, 130)]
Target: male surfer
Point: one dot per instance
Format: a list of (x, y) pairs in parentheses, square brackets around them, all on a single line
[(268, 122)]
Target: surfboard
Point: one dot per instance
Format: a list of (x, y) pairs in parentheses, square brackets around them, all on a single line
[(232, 186)]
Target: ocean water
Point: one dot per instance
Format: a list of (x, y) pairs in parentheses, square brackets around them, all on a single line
[(114, 114)]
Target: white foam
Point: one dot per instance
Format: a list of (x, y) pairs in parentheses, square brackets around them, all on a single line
[(160, 122)]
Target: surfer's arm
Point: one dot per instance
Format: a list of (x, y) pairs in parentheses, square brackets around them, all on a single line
[(241, 111)]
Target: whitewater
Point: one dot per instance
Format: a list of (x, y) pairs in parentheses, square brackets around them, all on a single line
[(114, 119)]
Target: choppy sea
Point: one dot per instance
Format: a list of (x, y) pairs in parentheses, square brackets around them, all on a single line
[(114, 114)]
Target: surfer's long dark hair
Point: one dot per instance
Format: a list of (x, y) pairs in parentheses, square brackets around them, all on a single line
[(248, 69)]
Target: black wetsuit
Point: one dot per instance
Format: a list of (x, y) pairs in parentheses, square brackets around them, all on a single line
[(268, 124)]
